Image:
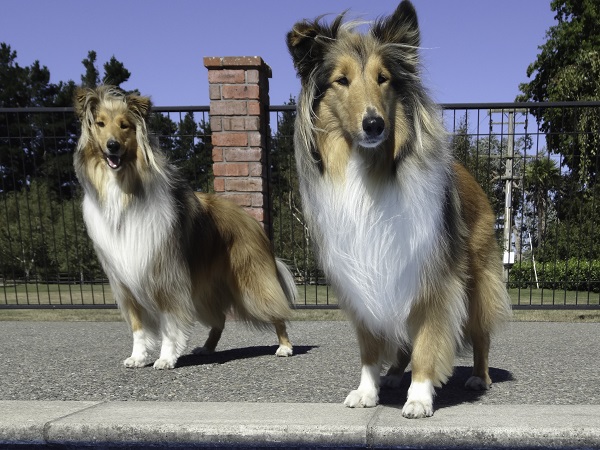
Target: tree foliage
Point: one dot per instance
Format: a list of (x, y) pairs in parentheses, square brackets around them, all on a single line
[(42, 236), (292, 238), (568, 69)]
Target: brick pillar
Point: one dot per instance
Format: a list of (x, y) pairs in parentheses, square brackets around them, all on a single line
[(239, 120)]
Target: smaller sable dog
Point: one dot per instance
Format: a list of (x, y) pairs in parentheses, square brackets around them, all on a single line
[(404, 233), (172, 257)]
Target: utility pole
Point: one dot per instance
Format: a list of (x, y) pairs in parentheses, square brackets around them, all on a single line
[(509, 255)]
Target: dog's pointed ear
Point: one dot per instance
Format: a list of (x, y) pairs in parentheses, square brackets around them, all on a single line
[(139, 105), (307, 43), (84, 101), (402, 27)]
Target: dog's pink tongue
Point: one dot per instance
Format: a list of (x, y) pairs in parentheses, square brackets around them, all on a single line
[(113, 161)]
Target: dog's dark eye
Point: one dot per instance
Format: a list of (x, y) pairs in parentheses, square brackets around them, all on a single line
[(381, 78), (124, 126), (342, 81), (100, 124)]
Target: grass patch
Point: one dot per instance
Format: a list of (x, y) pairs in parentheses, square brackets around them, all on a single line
[(310, 295)]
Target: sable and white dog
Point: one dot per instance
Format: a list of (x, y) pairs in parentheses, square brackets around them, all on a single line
[(404, 233), (172, 257)]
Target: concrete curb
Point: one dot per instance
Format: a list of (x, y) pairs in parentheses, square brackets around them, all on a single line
[(298, 425)]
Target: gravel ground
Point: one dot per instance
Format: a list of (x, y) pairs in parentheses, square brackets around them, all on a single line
[(531, 363)]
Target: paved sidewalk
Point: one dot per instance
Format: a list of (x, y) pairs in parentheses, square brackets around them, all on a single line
[(63, 384), (303, 425)]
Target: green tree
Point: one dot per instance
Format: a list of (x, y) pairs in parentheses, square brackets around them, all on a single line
[(541, 184), (192, 152), (25, 225), (288, 222), (91, 77), (568, 69), (115, 72), (28, 139)]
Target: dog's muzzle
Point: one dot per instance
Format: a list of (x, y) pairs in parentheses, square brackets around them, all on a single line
[(113, 157), (373, 131)]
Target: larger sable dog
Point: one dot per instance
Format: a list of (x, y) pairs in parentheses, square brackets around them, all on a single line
[(404, 233), (172, 257)]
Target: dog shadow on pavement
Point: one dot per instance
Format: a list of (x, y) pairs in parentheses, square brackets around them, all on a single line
[(451, 394), (234, 354)]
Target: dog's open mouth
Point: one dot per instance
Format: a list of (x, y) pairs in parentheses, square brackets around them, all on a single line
[(113, 161)]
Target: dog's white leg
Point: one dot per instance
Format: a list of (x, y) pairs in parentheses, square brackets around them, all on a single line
[(420, 400), (285, 346), (367, 394), (174, 335), (139, 355)]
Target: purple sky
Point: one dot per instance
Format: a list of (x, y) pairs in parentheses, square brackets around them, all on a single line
[(474, 50)]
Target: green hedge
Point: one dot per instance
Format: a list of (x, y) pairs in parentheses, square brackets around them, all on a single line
[(570, 275)]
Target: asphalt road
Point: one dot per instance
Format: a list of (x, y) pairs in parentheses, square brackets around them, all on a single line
[(531, 363)]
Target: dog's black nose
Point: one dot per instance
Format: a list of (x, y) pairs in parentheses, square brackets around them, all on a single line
[(373, 126), (113, 146)]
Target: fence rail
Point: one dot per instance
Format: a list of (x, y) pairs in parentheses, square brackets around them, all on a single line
[(538, 164)]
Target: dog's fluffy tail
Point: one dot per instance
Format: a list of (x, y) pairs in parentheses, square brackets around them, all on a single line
[(286, 280)]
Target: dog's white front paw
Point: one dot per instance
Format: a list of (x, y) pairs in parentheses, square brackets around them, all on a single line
[(420, 400), (136, 361), (417, 409), (284, 351), (362, 398), (477, 384), (164, 363)]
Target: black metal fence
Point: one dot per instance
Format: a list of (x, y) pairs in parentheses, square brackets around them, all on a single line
[(46, 258), (538, 163)]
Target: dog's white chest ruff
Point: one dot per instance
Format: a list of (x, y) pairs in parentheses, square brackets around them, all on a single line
[(374, 242), (128, 237)]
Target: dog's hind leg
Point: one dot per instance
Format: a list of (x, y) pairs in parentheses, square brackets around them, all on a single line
[(480, 379), (214, 335), (285, 346), (395, 373), (367, 393)]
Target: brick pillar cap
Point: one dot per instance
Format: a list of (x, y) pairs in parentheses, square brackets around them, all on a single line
[(237, 62)]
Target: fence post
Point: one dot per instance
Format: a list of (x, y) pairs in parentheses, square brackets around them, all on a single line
[(239, 120)]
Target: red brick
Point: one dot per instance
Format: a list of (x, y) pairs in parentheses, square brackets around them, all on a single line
[(242, 61), (252, 76), (228, 108), (237, 198), (252, 123), (226, 76), (255, 169), (241, 154), (257, 213), (240, 91), (237, 124), (254, 139), (212, 61), (215, 123), (219, 184), (214, 91), (254, 184), (253, 107), (230, 140), (231, 169), (257, 199), (217, 154)]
